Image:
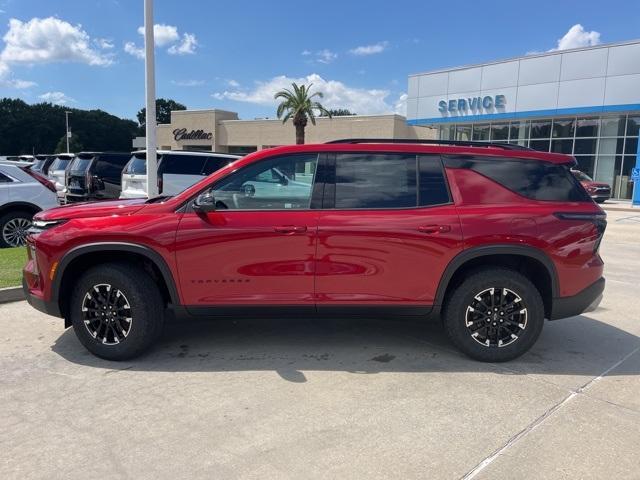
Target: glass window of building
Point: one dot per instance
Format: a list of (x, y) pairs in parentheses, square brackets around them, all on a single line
[(519, 133), (626, 185), (481, 131), (499, 132), (540, 129), (612, 127), (541, 145), (563, 128), (463, 133), (586, 163), (631, 146), (585, 146), (562, 146), (609, 146), (587, 127)]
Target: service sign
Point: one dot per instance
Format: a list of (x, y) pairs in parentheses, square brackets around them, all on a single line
[(476, 105)]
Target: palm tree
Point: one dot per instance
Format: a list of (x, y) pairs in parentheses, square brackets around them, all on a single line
[(300, 106)]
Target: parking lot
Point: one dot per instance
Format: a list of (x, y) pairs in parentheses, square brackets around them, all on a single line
[(330, 399)]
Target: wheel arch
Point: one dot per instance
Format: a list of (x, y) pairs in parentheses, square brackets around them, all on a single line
[(78, 258), (19, 206), (529, 260)]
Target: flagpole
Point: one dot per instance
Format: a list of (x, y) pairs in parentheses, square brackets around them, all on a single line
[(150, 94)]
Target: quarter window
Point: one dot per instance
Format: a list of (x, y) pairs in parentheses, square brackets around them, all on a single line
[(279, 183), (5, 179)]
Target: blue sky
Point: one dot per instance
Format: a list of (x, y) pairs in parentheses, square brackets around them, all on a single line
[(234, 54)]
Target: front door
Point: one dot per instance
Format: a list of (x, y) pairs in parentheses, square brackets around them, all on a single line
[(258, 247), (390, 234)]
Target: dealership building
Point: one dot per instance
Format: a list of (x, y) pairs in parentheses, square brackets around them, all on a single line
[(222, 131), (584, 102)]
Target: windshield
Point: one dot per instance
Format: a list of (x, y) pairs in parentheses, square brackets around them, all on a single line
[(37, 165), (59, 164), (136, 166), (583, 177), (80, 164)]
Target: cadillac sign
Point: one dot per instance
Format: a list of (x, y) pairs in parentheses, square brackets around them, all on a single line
[(182, 134)]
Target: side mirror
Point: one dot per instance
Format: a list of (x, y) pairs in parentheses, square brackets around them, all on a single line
[(204, 203)]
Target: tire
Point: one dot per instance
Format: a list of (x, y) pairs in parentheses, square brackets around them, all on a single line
[(13, 227), (600, 200), (113, 287), (489, 337)]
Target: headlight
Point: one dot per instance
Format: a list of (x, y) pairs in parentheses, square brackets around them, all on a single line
[(39, 226)]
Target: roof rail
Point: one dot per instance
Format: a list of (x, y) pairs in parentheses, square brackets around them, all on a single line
[(459, 143)]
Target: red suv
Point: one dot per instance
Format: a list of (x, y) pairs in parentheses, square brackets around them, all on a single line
[(491, 238)]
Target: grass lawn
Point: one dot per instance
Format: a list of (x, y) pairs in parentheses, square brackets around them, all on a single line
[(11, 262)]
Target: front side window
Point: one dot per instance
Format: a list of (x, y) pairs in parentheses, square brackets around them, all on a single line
[(182, 164), (279, 183), (369, 180)]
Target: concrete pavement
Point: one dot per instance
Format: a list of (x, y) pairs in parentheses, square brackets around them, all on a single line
[(330, 399)]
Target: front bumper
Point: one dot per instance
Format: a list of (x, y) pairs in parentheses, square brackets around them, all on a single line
[(584, 301), (50, 308)]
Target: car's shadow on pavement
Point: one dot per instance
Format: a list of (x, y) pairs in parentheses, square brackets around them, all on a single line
[(576, 346)]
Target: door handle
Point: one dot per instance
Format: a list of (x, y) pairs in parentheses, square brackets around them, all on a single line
[(290, 229), (434, 228)]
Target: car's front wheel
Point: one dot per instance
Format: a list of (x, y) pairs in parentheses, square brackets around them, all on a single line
[(116, 311), (13, 228), (494, 315)]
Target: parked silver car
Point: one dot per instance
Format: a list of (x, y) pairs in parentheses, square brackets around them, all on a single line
[(23, 193), (177, 170), (57, 172)]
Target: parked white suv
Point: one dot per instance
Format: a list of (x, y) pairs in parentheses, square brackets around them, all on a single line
[(23, 193), (57, 172), (177, 170)]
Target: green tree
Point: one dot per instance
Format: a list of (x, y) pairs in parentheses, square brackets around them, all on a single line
[(75, 144), (299, 105), (37, 128), (164, 107), (339, 112)]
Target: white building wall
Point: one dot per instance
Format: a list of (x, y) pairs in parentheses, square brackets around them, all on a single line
[(580, 81)]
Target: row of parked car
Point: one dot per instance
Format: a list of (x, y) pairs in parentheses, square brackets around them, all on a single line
[(29, 184)]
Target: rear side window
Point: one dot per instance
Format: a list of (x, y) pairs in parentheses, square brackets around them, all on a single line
[(137, 165), (365, 180), (533, 179), (80, 164), (59, 164), (215, 163), (110, 166), (182, 164), (432, 184)]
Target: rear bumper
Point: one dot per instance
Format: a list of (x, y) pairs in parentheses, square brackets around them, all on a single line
[(586, 300), (50, 308)]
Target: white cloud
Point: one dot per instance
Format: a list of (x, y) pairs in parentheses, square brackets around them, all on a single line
[(326, 56), (57, 98), (188, 83), (17, 83), (400, 106), (166, 35), (186, 47), (233, 83), (305, 53), (336, 94), (134, 50), (370, 49), (163, 34), (104, 43), (577, 37), (46, 40)]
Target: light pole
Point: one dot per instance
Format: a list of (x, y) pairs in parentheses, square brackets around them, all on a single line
[(68, 134), (150, 93)]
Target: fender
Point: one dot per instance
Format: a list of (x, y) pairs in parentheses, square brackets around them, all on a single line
[(500, 249), (20, 205), (147, 252)]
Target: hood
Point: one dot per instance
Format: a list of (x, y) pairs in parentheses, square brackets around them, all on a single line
[(92, 209)]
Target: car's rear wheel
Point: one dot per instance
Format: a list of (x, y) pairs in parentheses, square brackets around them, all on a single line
[(14, 227), (116, 311), (494, 315)]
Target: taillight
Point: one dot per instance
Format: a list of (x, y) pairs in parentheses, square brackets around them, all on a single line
[(43, 180), (599, 220)]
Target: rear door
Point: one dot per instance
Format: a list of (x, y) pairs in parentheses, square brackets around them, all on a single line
[(386, 232)]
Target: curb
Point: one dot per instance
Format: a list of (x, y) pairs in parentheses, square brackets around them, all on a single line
[(620, 209), (11, 294)]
